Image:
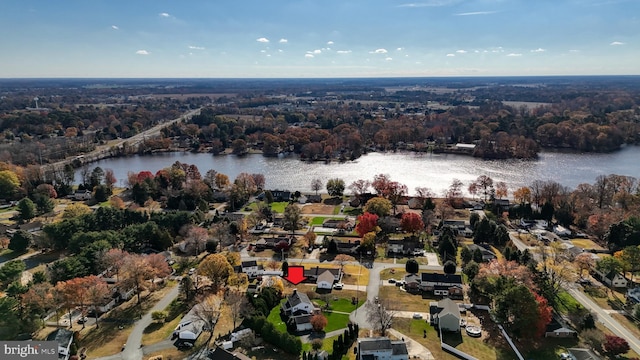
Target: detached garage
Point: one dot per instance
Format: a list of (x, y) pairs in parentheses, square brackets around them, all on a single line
[(325, 280)]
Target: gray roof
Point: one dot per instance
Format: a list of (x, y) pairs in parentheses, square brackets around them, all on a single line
[(62, 336), (382, 343), (374, 344), (448, 306), (298, 298), (326, 276), (583, 354)]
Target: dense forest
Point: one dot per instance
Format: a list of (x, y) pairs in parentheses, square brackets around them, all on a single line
[(323, 120)]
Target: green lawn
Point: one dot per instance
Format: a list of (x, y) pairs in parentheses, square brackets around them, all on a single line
[(566, 302), (274, 318), (336, 321), (327, 344), (342, 305), (278, 207), (318, 220)]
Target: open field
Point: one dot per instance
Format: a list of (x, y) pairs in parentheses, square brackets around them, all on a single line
[(586, 244)]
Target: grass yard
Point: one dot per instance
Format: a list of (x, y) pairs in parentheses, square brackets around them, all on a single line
[(397, 274), (342, 304), (108, 339), (355, 275), (327, 344), (336, 321), (274, 318), (475, 347), (278, 207), (157, 332), (566, 302), (395, 299), (586, 244)]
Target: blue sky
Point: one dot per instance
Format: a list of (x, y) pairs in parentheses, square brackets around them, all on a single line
[(318, 38)]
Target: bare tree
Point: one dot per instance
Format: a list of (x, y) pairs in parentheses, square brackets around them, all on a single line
[(208, 311), (238, 305), (316, 185), (379, 316)]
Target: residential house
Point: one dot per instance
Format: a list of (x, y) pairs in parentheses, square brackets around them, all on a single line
[(487, 255), (281, 195), (313, 274), (459, 227), (325, 280), (573, 251), (81, 195), (415, 203), (251, 268), (190, 327), (221, 354), (412, 283), (445, 314), (502, 204), (300, 323), (381, 348), (558, 329), (64, 338), (442, 284), (401, 247), (314, 198), (348, 248), (633, 295), (297, 304), (561, 231), (612, 279)]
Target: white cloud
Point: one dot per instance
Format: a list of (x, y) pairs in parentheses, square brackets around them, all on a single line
[(538, 50), (616, 43), (343, 51), (329, 42), (315, 52), (461, 51), (164, 14), (475, 13), (195, 47), (308, 56), (262, 40), (574, 51), (142, 52), (263, 51), (283, 41), (400, 49), (514, 55), (280, 50), (451, 55), (115, 27), (378, 51), (388, 59)]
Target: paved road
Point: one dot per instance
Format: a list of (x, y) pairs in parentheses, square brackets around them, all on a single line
[(606, 319), (133, 350)]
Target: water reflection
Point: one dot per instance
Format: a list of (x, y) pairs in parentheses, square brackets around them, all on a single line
[(435, 171)]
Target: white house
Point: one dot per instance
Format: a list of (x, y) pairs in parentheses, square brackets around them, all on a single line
[(297, 304), (445, 314), (561, 231), (82, 195), (381, 348), (325, 280), (251, 268), (633, 295), (302, 323), (612, 279), (64, 338)]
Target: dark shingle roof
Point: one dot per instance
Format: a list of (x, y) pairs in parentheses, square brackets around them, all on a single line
[(441, 278), (374, 344)]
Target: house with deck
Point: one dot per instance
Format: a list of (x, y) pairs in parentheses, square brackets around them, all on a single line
[(445, 314), (381, 348), (442, 284)]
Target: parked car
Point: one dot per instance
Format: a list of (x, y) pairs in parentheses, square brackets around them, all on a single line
[(584, 282), (399, 283), (82, 319), (338, 286), (417, 316), (392, 281), (192, 271)]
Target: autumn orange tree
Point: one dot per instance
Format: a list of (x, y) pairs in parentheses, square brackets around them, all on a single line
[(137, 269), (97, 292), (216, 268), (318, 322), (367, 222), (411, 222)]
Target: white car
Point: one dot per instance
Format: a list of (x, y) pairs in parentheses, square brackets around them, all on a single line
[(417, 316), (338, 286), (192, 271)]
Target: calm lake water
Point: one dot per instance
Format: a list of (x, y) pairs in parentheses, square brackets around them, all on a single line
[(430, 170)]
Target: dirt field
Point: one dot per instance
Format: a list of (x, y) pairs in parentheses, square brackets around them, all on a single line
[(318, 209)]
